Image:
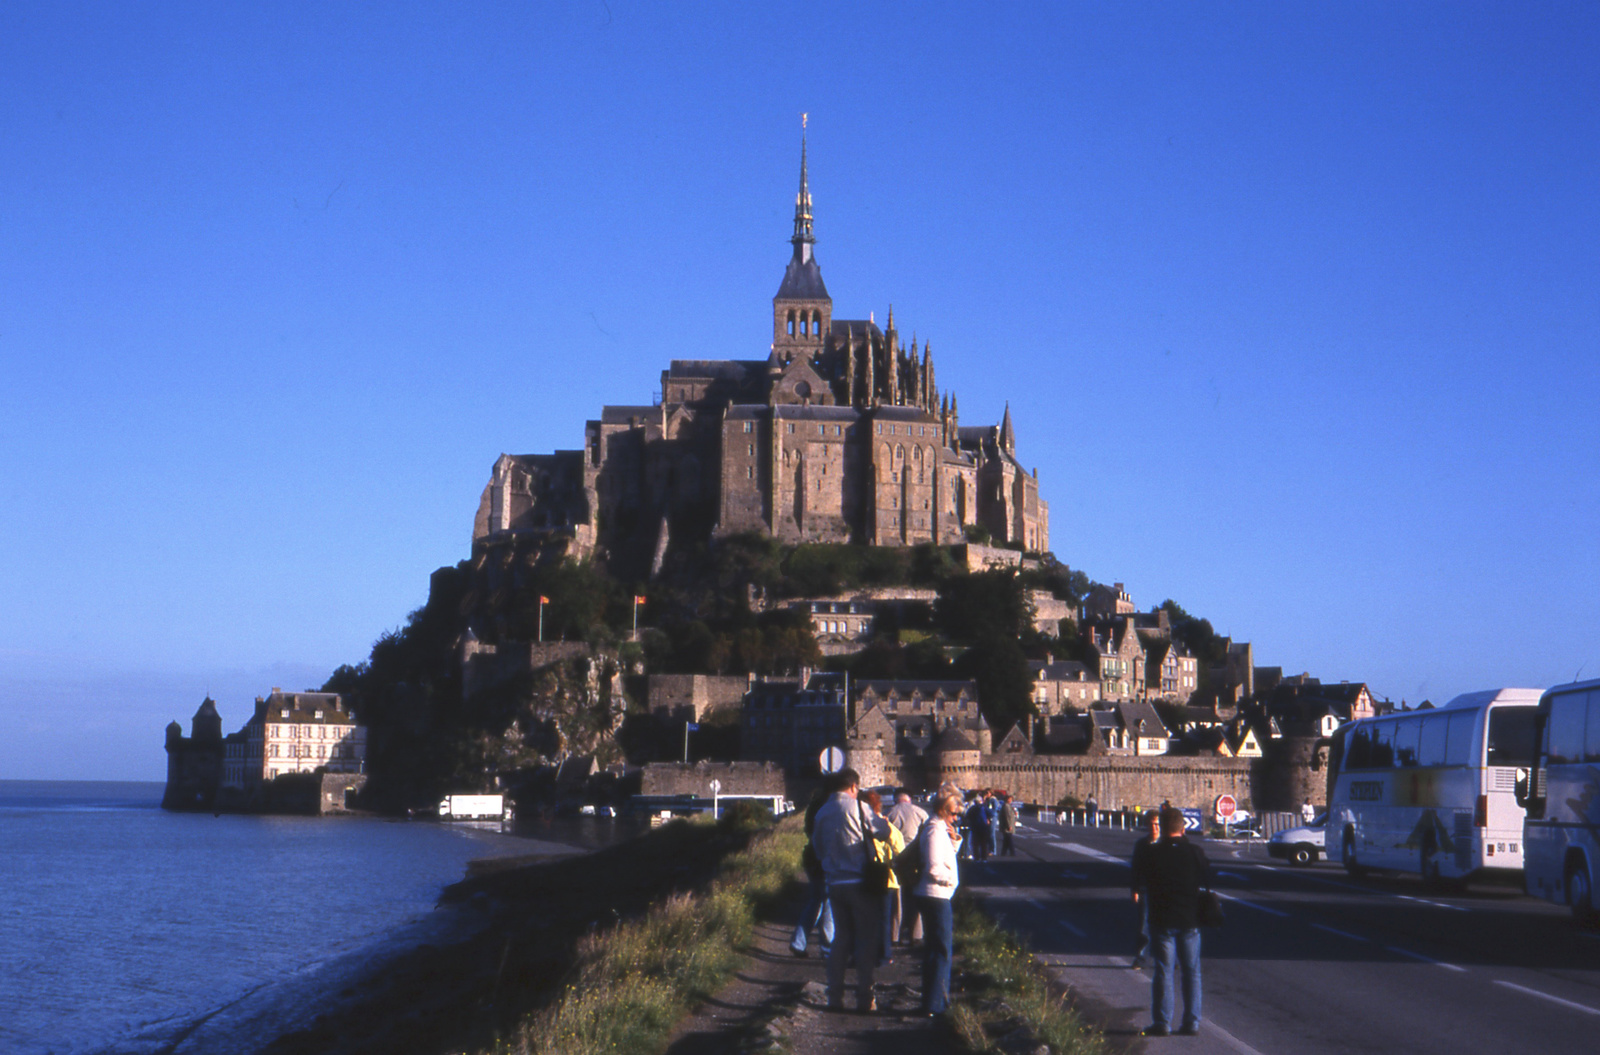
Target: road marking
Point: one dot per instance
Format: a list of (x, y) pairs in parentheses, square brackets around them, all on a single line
[(1340, 933), (1238, 1045), (1362, 889), (1063, 924), (1251, 904), (1091, 852), (1546, 996), (1425, 901), (1425, 959)]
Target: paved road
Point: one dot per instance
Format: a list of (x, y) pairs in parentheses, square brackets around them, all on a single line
[(1311, 960)]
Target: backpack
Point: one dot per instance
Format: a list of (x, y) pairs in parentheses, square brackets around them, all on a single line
[(908, 862)]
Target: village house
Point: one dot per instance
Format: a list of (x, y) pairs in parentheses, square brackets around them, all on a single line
[(1062, 686), (294, 732)]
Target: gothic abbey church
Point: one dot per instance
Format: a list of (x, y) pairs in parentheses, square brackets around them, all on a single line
[(840, 434)]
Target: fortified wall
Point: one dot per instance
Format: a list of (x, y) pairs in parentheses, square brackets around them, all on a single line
[(1113, 780), (736, 778)]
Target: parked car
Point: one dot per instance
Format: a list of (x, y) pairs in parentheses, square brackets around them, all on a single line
[(1300, 846)]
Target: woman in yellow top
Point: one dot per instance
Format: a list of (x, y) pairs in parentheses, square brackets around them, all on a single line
[(886, 847)]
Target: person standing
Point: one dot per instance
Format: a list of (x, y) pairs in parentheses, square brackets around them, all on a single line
[(1091, 809), (977, 823), (1008, 826), (991, 812), (842, 836), (1171, 872), (938, 845), (909, 818), (1152, 823), (817, 914), (886, 848), (1308, 812)]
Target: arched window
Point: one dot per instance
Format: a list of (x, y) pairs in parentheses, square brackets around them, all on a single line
[(791, 324)]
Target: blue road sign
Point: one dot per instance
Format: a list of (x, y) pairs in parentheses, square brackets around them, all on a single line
[(1192, 821)]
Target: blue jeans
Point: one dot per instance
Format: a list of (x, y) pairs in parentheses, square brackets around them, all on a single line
[(817, 913), (1176, 952), (938, 935)]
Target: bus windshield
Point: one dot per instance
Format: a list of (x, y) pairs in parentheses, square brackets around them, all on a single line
[(1512, 732)]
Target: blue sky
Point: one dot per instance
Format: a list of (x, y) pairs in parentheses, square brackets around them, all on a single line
[(1296, 307)]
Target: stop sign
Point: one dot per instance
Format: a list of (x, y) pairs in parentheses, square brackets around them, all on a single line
[(1227, 806)]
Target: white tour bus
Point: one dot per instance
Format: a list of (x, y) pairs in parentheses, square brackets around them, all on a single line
[(1562, 832), (1435, 790)]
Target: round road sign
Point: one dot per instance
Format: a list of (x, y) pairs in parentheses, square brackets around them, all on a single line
[(1227, 806), (831, 759)]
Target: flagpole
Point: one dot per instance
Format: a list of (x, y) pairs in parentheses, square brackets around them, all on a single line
[(541, 618)]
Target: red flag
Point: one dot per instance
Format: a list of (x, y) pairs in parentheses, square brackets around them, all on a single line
[(543, 599), (638, 600)]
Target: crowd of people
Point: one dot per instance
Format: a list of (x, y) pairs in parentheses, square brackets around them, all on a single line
[(882, 877)]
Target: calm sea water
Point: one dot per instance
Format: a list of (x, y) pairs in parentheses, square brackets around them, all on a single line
[(119, 920)]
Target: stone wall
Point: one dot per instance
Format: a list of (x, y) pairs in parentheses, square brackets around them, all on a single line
[(1114, 781), (737, 778), (693, 696), (978, 557)]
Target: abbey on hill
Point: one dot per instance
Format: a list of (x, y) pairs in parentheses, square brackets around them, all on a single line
[(839, 435)]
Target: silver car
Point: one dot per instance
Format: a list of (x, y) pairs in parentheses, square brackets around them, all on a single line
[(1299, 846)]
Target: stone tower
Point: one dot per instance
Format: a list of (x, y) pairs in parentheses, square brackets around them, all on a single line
[(802, 311)]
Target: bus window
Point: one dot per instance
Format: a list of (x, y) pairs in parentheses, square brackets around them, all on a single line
[(1430, 750), (1511, 736), (1591, 742), (1360, 748), (1458, 748), (1566, 728), (1406, 731), (1382, 745)]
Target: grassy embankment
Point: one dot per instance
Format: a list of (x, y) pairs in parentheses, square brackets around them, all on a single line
[(632, 983)]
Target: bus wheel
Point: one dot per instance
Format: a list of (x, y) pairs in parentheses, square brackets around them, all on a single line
[(1300, 855), (1580, 896), (1347, 854)]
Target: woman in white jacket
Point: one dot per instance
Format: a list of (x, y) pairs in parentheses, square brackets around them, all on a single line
[(938, 844)]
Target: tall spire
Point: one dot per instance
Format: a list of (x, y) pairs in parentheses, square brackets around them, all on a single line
[(1008, 436), (803, 239)]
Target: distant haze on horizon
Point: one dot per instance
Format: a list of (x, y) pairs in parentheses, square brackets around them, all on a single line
[(1296, 309)]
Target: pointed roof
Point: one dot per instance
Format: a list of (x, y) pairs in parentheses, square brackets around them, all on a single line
[(1008, 436), (953, 739), (802, 279)]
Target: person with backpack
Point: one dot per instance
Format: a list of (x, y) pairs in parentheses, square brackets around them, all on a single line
[(909, 818), (844, 840), (937, 845)]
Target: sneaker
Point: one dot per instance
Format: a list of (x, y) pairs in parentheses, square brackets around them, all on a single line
[(867, 1005), (798, 952), (1155, 1031), (1190, 1030)]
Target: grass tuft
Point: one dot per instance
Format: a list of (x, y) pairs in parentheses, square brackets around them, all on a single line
[(1006, 991)]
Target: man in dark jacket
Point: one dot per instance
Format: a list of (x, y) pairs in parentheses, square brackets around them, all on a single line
[(1171, 872)]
